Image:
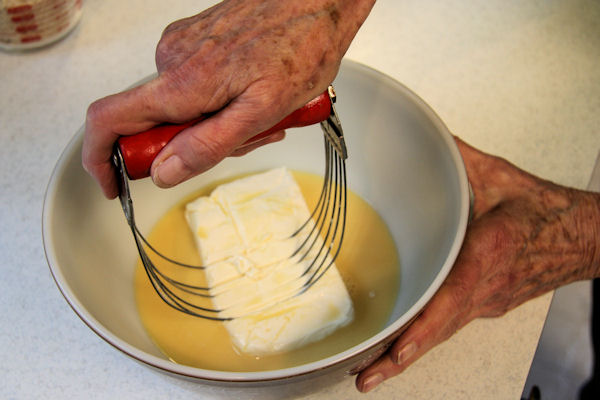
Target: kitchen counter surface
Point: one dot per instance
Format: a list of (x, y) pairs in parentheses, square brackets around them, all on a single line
[(517, 79)]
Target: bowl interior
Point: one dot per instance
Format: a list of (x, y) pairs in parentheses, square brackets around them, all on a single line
[(401, 160)]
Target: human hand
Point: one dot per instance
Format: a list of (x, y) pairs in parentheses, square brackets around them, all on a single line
[(527, 236), (252, 62)]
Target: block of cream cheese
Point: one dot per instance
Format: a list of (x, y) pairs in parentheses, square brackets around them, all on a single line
[(243, 232)]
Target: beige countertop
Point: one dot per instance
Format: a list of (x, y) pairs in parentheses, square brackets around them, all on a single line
[(517, 79)]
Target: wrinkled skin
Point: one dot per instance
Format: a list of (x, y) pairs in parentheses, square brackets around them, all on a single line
[(527, 237), (253, 61)]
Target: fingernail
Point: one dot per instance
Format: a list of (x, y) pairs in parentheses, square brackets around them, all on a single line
[(170, 172), (372, 381), (405, 353)]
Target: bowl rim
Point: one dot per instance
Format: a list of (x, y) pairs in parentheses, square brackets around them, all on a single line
[(383, 337)]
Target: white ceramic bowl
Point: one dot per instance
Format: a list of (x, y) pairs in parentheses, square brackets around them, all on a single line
[(402, 160)]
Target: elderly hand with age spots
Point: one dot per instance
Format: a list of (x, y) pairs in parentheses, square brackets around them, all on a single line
[(527, 237), (250, 62)]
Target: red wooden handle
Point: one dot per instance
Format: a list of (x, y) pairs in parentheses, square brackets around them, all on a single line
[(141, 149)]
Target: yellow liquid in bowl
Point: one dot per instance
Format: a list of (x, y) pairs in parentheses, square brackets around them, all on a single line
[(368, 264)]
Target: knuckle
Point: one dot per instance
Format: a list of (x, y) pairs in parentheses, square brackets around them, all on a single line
[(177, 97), (162, 52), (169, 49), (171, 27), (166, 53), (95, 112)]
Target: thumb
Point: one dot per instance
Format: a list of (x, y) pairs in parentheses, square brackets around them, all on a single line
[(438, 321), (202, 146), (127, 113)]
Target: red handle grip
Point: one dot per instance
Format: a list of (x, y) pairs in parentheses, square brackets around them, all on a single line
[(141, 149)]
